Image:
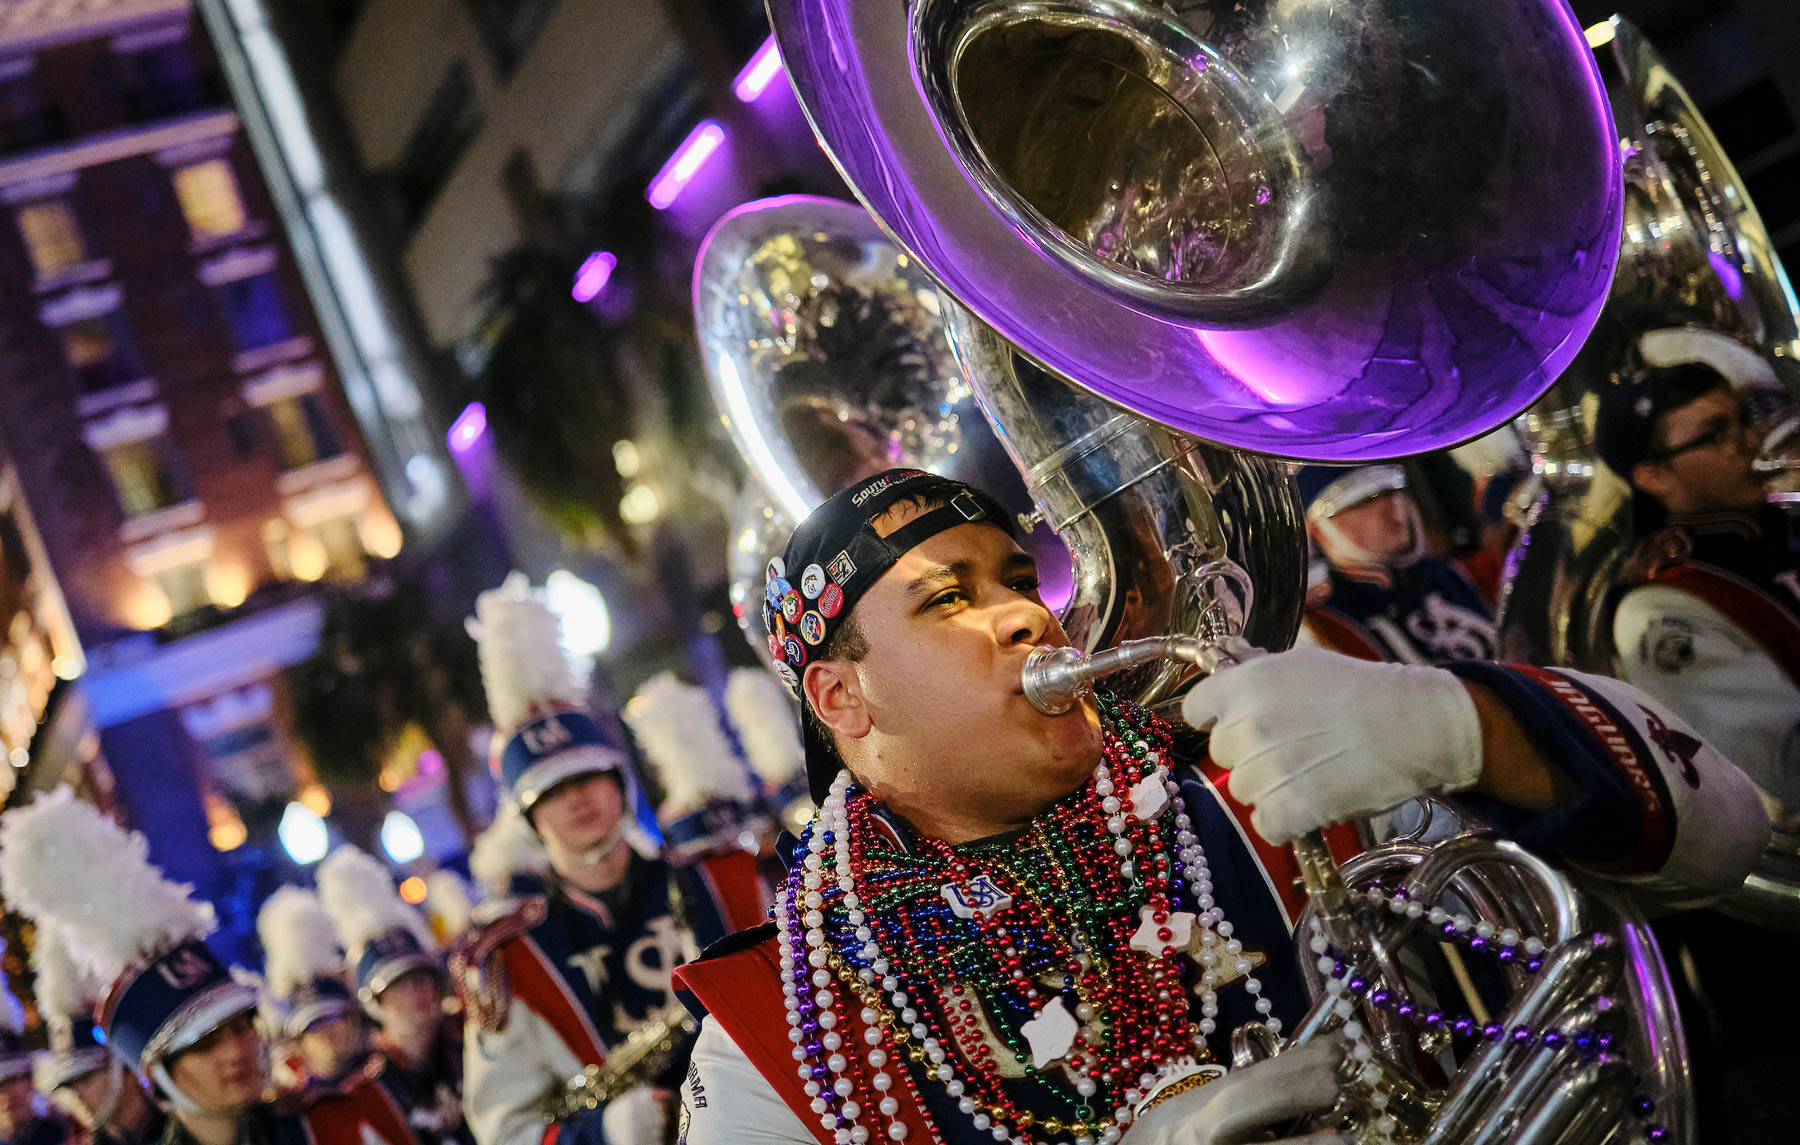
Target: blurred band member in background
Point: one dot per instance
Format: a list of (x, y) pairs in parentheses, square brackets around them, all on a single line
[(1382, 597)]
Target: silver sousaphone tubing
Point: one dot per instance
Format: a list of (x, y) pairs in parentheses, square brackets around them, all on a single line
[(830, 357)]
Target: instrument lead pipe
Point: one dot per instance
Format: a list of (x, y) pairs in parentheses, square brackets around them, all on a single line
[(1056, 678)]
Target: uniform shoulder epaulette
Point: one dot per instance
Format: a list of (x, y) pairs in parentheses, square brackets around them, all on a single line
[(735, 943), (478, 967), (505, 920)]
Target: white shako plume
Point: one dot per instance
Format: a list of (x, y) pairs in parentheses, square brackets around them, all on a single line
[(67, 996), (60, 858), (763, 716), (359, 894), (524, 667), (448, 905), (299, 940), (677, 727), (509, 847), (66, 989)]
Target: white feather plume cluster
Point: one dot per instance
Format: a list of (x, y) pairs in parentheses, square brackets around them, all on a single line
[(299, 940), (523, 662), (62, 860), (359, 895), (65, 988), (447, 902), (508, 847), (767, 725), (678, 729)]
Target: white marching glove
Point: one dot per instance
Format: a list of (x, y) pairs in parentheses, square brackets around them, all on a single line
[(1313, 738), (636, 1117), (1247, 1104)]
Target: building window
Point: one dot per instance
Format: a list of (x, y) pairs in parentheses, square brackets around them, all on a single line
[(146, 478), (162, 77), (254, 310), (450, 122), (27, 118), (100, 351), (509, 27), (303, 434), (53, 237), (345, 558), (185, 587), (208, 193)]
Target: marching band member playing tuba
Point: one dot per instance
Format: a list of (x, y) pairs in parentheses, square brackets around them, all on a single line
[(1006, 924), (558, 983), (1708, 622), (1709, 616), (173, 1013)]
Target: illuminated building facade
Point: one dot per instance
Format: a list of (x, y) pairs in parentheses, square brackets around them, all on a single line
[(47, 735), (176, 422)]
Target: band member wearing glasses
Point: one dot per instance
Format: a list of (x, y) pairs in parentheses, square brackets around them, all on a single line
[(1005, 924), (1708, 620)]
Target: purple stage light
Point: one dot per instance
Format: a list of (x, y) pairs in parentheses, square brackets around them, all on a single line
[(764, 66), (596, 270), (682, 166), (468, 427)]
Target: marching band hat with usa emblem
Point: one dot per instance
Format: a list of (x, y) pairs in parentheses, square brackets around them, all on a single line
[(63, 861), (537, 697), (387, 939), (303, 961)]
